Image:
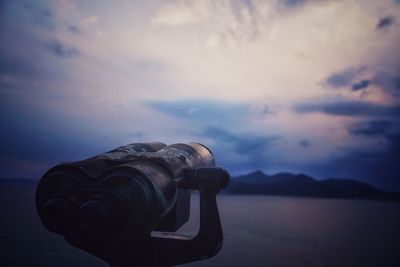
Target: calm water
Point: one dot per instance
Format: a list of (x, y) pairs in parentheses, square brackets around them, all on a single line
[(259, 231)]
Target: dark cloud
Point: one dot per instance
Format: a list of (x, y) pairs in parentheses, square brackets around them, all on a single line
[(253, 150), (349, 108), (344, 78), (225, 124), (370, 128), (385, 22), (291, 3), (360, 85), (46, 13), (74, 29), (28, 13), (241, 143), (137, 135), (247, 3), (267, 110), (61, 50), (205, 112), (379, 166), (305, 143), (389, 81), (16, 66), (19, 70), (35, 135)]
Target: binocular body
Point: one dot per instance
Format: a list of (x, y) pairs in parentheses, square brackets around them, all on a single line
[(112, 202)]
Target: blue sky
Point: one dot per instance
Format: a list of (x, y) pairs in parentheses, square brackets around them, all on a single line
[(302, 86)]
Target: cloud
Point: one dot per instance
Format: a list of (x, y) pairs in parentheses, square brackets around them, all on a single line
[(349, 108), (16, 66), (268, 110), (240, 151), (90, 20), (205, 112), (344, 78), (137, 135), (292, 3), (225, 128), (379, 165), (360, 85), (37, 139), (234, 22), (385, 22), (61, 50), (386, 77), (74, 29), (181, 13), (305, 143), (389, 81), (28, 13), (370, 128), (19, 70), (241, 143)]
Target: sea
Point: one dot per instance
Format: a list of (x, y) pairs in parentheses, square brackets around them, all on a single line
[(260, 231)]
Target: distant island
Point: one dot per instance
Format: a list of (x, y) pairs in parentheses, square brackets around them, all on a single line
[(289, 184)]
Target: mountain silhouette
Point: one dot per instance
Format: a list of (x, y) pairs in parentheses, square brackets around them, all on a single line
[(303, 185)]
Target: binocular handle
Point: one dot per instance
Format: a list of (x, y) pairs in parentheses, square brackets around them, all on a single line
[(176, 249)]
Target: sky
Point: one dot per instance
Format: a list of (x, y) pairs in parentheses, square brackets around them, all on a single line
[(301, 86)]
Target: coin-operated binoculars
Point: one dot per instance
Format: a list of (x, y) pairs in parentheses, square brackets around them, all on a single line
[(109, 205)]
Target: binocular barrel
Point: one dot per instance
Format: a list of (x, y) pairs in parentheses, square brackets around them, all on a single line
[(121, 194)]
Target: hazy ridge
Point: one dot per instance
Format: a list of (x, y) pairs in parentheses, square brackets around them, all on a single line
[(289, 184)]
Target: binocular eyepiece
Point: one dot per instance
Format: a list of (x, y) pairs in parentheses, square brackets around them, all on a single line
[(116, 199)]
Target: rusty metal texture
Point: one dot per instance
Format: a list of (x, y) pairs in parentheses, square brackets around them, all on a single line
[(175, 157), (114, 200)]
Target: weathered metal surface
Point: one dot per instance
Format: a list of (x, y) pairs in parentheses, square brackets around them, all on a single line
[(88, 171), (174, 157), (128, 152), (114, 200)]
